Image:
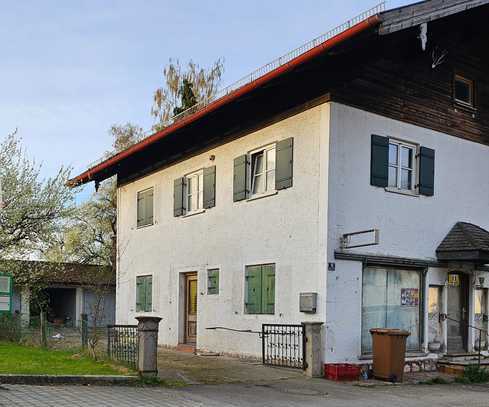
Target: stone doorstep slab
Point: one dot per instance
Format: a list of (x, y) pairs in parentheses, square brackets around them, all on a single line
[(45, 380)]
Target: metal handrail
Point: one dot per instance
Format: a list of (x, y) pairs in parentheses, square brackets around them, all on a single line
[(258, 73), (444, 317)]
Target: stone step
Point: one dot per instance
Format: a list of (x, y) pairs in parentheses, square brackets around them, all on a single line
[(186, 348)]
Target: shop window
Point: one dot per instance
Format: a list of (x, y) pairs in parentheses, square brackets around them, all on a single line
[(391, 299)]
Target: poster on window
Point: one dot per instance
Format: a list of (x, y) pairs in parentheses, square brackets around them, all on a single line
[(409, 297)]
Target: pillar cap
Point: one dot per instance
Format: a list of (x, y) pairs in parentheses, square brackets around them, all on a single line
[(148, 319)]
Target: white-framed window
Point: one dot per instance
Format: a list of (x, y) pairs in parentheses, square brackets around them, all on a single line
[(463, 90), (402, 165), (194, 191), (262, 168)]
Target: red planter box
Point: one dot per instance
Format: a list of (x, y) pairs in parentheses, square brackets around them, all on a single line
[(341, 372)]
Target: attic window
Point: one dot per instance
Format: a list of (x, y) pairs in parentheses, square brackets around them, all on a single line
[(463, 91)]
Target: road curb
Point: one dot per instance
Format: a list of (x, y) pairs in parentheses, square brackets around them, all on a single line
[(45, 380)]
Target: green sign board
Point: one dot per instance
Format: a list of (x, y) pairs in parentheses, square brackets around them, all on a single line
[(6, 292)]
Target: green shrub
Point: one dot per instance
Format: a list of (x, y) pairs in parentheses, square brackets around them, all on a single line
[(10, 328), (474, 374)]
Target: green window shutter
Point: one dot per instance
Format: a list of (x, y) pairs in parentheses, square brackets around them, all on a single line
[(148, 306), (253, 290), (178, 201), (268, 289), (141, 210), (284, 164), (426, 171), (379, 161), (140, 294), (213, 282), (209, 187), (240, 178), (149, 196)]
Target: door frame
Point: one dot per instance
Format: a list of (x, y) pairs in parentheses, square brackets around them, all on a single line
[(186, 277), (465, 303)]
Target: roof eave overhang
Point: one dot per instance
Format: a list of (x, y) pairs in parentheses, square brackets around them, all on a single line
[(403, 18), (106, 168)]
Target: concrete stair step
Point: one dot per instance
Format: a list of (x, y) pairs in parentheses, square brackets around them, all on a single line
[(186, 348)]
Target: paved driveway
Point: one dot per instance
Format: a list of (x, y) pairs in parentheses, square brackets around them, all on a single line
[(282, 393)]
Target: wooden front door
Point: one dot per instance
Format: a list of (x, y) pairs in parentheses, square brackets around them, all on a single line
[(458, 309), (191, 308)]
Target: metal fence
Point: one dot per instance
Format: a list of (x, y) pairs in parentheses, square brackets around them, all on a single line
[(283, 345), (123, 344)]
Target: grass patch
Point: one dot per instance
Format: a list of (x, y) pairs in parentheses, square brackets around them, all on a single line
[(474, 374), (19, 359)]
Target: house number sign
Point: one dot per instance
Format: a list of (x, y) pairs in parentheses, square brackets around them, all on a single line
[(454, 280)]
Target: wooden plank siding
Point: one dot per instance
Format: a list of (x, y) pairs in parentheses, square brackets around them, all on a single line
[(395, 77)]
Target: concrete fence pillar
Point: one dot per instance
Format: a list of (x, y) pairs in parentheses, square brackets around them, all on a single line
[(148, 345), (314, 351)]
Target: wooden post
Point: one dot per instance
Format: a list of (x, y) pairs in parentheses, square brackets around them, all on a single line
[(44, 329)]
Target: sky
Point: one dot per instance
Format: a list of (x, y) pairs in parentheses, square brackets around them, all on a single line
[(72, 69)]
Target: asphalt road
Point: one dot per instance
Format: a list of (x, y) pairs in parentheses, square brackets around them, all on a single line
[(283, 393)]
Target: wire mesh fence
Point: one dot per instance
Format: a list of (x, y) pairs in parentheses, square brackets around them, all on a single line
[(53, 335)]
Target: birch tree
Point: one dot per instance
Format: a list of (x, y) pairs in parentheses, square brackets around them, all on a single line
[(183, 87)]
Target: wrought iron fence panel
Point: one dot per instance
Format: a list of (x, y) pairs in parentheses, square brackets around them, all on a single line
[(283, 345), (123, 344)]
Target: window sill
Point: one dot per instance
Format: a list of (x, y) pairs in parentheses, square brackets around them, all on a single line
[(189, 214), (144, 226), (467, 107), (260, 196), (402, 192)]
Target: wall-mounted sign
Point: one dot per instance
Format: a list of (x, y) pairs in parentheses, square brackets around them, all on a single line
[(454, 280), (5, 293), (409, 297)]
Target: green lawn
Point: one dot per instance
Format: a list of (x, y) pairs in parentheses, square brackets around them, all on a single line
[(18, 359)]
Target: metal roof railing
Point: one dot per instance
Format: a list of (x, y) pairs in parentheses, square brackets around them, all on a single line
[(265, 69)]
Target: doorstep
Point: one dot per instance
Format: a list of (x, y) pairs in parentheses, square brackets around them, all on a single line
[(186, 348)]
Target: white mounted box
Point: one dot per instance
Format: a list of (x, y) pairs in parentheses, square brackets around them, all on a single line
[(308, 302)]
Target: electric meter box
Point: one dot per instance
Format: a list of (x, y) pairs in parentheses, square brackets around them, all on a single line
[(308, 302)]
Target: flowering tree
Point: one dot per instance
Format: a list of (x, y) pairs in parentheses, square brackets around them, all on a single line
[(32, 211)]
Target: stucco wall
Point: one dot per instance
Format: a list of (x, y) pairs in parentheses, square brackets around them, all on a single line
[(409, 226), (288, 229)]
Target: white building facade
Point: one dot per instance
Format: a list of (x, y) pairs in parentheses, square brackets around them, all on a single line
[(357, 177), (207, 240)]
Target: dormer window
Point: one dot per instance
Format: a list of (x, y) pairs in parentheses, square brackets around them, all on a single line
[(463, 91)]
